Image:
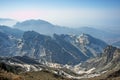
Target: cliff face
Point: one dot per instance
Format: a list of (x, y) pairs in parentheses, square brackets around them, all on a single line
[(109, 59)]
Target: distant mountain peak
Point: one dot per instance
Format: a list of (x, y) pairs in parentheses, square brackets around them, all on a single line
[(37, 20), (39, 26), (33, 22), (7, 22)]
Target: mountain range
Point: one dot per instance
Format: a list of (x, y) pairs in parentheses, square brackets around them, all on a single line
[(64, 53), (47, 28), (7, 22), (63, 49), (109, 35)]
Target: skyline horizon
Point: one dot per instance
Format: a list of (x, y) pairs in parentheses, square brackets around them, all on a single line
[(64, 12), (81, 26)]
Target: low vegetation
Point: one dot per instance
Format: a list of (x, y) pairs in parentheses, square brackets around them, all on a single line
[(42, 75)]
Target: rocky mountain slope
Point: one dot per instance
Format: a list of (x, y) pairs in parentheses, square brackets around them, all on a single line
[(45, 48), (88, 45), (16, 68), (63, 49), (104, 67), (8, 40), (109, 60)]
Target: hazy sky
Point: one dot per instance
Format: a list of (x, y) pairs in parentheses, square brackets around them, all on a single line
[(73, 13)]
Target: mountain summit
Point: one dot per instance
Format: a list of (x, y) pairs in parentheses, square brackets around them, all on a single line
[(40, 26)]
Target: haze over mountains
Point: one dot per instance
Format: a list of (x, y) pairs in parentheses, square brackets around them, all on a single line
[(74, 53), (7, 22), (47, 28)]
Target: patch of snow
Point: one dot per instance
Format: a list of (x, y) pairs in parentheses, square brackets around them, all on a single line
[(54, 65), (79, 70), (27, 67), (43, 52)]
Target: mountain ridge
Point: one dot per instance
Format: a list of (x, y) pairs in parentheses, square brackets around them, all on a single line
[(49, 29), (46, 48)]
